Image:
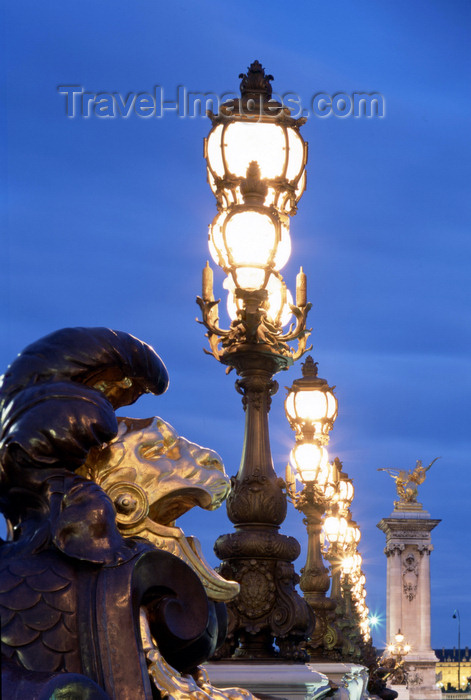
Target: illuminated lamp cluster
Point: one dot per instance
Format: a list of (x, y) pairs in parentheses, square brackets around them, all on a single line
[(256, 162)]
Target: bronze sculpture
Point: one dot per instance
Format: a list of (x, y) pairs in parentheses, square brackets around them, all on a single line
[(407, 481), (87, 612)]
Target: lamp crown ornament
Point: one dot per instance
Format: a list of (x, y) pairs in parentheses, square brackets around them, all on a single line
[(255, 82), (309, 367)]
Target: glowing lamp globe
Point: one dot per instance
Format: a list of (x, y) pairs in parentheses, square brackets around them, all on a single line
[(278, 149), (351, 563), (353, 534), (335, 529), (277, 306), (311, 462), (250, 244), (344, 492), (311, 406)]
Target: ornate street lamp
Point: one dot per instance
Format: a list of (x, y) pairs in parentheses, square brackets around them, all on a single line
[(342, 534), (311, 409), (256, 159), (397, 650), (456, 616)]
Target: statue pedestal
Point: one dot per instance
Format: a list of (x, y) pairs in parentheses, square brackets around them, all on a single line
[(421, 677), (408, 549), (402, 691), (292, 681)]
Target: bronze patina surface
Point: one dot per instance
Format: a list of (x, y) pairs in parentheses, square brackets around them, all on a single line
[(86, 611)]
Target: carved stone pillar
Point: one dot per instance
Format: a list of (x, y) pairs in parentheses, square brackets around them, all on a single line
[(394, 598), (408, 547), (424, 579)]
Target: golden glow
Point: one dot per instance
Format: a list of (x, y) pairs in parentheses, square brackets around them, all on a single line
[(310, 405), (399, 637), (353, 534), (279, 301), (249, 277), (279, 297), (251, 238), (248, 244), (351, 563), (335, 528), (278, 149), (283, 250), (296, 155), (243, 142), (315, 408), (217, 247), (331, 481), (344, 493), (310, 460), (262, 142), (214, 154)]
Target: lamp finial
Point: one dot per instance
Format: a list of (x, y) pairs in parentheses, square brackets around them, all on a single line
[(309, 367), (255, 83)]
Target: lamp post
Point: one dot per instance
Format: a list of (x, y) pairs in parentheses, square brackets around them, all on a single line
[(343, 534), (314, 583), (456, 616), (311, 409), (256, 169), (398, 650)]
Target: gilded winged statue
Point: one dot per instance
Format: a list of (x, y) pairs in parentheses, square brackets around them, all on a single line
[(101, 595), (407, 481)]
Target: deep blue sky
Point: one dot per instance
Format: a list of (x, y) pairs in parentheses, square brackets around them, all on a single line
[(106, 224)]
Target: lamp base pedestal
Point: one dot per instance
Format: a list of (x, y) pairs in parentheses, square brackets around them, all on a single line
[(268, 610)]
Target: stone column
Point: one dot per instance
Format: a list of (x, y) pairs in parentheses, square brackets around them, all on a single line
[(394, 597), (425, 631), (408, 548)]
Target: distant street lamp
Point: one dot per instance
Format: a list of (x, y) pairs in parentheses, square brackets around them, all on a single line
[(342, 536), (311, 409), (456, 616), (256, 161), (397, 650)]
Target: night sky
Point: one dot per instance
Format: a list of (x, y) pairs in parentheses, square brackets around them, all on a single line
[(106, 225)]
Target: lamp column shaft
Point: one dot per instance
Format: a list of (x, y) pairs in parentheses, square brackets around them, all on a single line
[(336, 590), (315, 578), (257, 386), (268, 608)]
